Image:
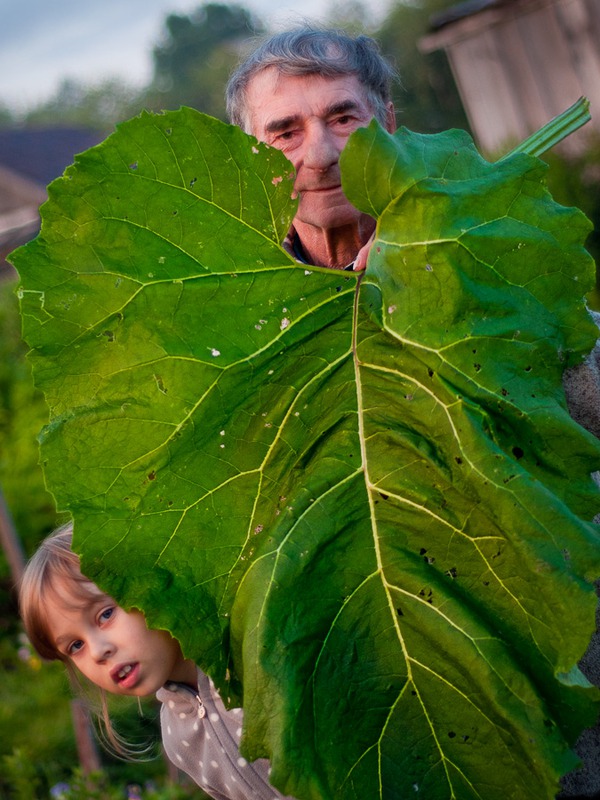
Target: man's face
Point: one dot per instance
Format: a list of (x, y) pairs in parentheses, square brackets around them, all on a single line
[(310, 118)]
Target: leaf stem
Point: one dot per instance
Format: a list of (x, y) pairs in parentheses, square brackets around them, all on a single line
[(555, 131)]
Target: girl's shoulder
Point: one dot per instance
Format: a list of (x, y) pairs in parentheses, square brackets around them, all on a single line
[(202, 738)]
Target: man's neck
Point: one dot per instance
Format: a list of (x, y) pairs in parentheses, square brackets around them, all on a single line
[(335, 248)]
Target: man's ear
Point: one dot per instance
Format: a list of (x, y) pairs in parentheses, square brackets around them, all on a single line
[(390, 118)]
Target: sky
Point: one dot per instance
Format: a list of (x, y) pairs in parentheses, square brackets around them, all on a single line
[(43, 42)]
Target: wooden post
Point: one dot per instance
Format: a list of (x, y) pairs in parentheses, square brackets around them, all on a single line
[(11, 544), (86, 744)]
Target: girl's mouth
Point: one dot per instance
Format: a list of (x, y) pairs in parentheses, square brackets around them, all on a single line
[(126, 676)]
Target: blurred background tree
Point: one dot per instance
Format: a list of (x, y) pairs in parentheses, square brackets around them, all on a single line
[(196, 55), (98, 107), (427, 99), (197, 51)]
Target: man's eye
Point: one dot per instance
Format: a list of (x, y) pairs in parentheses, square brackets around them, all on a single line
[(286, 136)]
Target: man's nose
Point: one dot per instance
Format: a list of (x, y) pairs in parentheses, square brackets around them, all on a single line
[(321, 150)]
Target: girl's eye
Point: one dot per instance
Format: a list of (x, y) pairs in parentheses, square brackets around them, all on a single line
[(106, 614), (74, 647)]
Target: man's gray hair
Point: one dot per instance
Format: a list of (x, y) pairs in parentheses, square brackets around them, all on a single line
[(314, 51)]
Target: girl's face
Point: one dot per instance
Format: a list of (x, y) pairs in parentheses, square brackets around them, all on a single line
[(114, 648)]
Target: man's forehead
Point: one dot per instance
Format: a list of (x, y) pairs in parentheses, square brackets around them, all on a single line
[(272, 94)]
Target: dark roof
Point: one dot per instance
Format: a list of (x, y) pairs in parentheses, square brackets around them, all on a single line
[(42, 154), (460, 11), (30, 159)]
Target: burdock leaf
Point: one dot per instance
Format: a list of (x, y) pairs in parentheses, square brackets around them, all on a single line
[(359, 502)]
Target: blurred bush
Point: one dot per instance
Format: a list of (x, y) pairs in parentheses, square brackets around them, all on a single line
[(575, 181), (37, 743), (22, 415)]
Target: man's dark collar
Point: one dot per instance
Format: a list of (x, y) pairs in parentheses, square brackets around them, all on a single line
[(294, 247)]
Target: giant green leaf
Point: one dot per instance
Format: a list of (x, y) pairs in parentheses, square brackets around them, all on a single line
[(359, 502)]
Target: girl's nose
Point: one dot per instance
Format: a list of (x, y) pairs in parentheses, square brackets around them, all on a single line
[(101, 649), (321, 151)]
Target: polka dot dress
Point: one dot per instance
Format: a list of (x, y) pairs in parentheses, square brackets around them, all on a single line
[(201, 737)]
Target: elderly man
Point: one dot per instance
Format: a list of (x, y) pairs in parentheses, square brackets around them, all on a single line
[(305, 91)]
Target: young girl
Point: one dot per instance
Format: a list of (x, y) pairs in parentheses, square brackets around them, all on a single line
[(67, 617)]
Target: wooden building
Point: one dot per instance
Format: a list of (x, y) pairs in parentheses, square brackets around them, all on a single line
[(29, 160), (19, 218), (518, 63)]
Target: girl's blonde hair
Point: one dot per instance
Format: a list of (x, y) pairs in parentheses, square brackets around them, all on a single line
[(55, 562), (52, 562)]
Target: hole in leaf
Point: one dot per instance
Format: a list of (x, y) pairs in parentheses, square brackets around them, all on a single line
[(458, 460), (384, 496), (517, 452), (134, 165), (152, 475), (399, 612)]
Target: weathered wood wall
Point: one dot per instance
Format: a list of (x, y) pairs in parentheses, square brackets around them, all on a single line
[(518, 63)]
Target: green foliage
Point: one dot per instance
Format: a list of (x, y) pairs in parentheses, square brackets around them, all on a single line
[(22, 783), (575, 181), (7, 117), (23, 413), (427, 98), (97, 786), (48, 749), (20, 773), (361, 499), (198, 51), (98, 107)]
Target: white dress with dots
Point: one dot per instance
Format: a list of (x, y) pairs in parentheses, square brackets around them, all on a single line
[(201, 737)]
